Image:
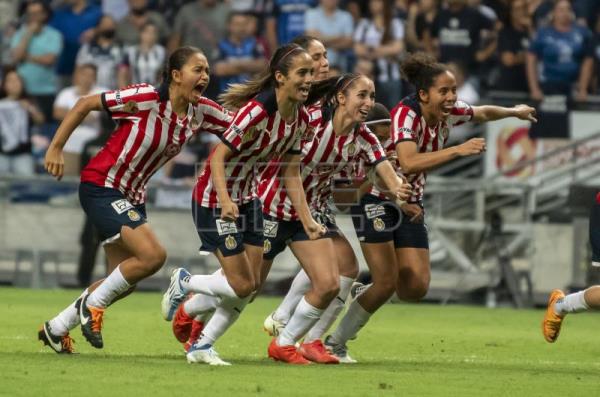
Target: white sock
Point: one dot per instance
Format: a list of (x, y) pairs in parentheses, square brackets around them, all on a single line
[(213, 285), (572, 303), (67, 319), (225, 315), (299, 287), (356, 317), (304, 317), (112, 286), (199, 304), (331, 313)]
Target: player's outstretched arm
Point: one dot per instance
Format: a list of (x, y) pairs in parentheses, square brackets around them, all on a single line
[(484, 113), (54, 162)]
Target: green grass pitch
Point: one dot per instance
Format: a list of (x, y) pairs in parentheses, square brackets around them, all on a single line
[(406, 350)]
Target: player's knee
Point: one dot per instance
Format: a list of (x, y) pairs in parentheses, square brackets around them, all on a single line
[(154, 259), (327, 288), (243, 287), (414, 291)]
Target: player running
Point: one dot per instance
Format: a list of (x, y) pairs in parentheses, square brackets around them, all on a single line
[(153, 125), (420, 126), (340, 143), (560, 305), (269, 124)]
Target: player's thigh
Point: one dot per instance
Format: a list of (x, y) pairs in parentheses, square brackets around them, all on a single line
[(318, 259), (347, 262), (143, 243), (413, 263), (381, 260)]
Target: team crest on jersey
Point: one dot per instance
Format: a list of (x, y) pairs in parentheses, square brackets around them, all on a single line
[(133, 215), (226, 227), (270, 228), (266, 247), (121, 206), (351, 149), (230, 243), (172, 149), (250, 135), (130, 107), (378, 224)]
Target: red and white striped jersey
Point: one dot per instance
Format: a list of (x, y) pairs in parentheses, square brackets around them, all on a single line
[(148, 134), (323, 158), (390, 151), (409, 125), (256, 135)]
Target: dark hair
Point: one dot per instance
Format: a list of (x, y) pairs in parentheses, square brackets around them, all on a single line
[(326, 90), (44, 4), (5, 72), (304, 40), (379, 114), (176, 60), (238, 94), (421, 69), (388, 16)]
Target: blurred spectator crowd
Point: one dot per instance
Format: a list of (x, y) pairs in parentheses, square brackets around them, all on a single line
[(55, 51)]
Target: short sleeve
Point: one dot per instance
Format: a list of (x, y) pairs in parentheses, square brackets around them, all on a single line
[(244, 121), (397, 29), (404, 124), (124, 102), (359, 33), (460, 114), (372, 153), (215, 118)]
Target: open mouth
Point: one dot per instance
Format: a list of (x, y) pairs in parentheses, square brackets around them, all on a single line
[(304, 90), (199, 89), (447, 108), (364, 113)]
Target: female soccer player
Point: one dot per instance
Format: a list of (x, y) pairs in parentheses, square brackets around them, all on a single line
[(152, 127), (269, 124), (348, 264), (419, 129), (340, 142), (560, 305), (186, 329)]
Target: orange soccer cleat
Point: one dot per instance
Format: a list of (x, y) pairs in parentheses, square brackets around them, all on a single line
[(196, 330), (60, 344), (182, 324), (315, 351), (287, 354), (552, 322)]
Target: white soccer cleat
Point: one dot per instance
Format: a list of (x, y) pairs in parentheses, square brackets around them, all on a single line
[(174, 295), (204, 354), (338, 350), (273, 327)]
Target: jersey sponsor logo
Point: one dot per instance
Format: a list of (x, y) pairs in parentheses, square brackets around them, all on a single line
[(237, 130), (120, 206), (374, 210), (230, 243), (226, 227), (172, 149), (404, 130), (118, 97), (133, 215), (270, 228), (378, 224)]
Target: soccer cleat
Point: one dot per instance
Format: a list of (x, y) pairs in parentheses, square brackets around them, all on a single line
[(339, 350), (60, 344), (196, 330), (357, 289), (204, 354), (91, 323), (175, 294), (182, 325), (552, 322), (273, 327), (287, 354), (315, 351)]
